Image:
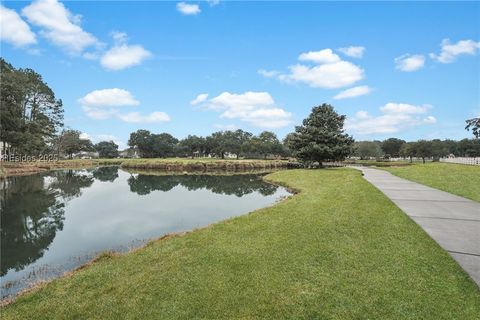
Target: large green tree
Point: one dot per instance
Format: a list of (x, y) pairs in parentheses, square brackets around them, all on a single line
[(107, 149), (140, 140), (423, 149), (30, 114), (237, 142), (266, 143), (469, 147), (321, 137), (163, 145), (193, 144), (69, 142), (153, 145), (392, 146), (217, 143)]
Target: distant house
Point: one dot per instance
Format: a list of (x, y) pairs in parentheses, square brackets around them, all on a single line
[(85, 155), (128, 153)]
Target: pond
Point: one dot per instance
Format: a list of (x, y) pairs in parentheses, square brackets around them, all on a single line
[(56, 221)]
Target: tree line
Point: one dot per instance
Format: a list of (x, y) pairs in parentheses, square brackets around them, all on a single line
[(398, 148), (236, 143)]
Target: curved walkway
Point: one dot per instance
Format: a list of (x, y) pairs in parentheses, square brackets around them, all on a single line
[(452, 221)]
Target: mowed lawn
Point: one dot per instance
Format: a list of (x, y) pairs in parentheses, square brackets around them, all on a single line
[(462, 180), (338, 249)]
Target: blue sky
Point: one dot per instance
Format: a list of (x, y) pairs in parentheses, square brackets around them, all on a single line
[(408, 70)]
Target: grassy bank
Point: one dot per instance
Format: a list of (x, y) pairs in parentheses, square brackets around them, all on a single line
[(203, 164), (462, 180), (337, 250), (375, 163), (169, 164)]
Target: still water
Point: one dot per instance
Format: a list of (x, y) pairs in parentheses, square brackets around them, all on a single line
[(53, 222)]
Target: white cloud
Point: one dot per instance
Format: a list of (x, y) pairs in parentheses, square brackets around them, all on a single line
[(322, 56), (119, 37), (213, 3), (268, 73), (449, 52), (188, 9), (331, 75), (103, 104), (394, 118), (199, 99), (99, 113), (255, 108), (430, 120), (123, 56), (328, 71), (14, 30), (137, 117), (409, 63), (352, 51), (405, 108), (353, 92), (108, 98), (59, 25)]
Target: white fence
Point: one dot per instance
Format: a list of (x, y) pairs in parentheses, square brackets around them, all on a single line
[(461, 160)]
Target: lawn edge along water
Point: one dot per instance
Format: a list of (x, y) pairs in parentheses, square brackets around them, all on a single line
[(338, 249)]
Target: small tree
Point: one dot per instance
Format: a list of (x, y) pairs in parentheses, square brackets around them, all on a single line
[(107, 149), (407, 150), (368, 149), (321, 137), (288, 144), (69, 142), (423, 149)]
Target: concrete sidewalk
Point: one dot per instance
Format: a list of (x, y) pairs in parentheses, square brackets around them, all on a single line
[(452, 221)]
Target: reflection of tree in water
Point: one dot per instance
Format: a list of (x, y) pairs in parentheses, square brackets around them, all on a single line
[(238, 185), (32, 211), (106, 174), (144, 184), (70, 183)]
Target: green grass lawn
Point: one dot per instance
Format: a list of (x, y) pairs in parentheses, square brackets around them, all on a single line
[(462, 180), (339, 249)]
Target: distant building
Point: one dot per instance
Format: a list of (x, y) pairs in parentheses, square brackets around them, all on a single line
[(86, 155), (128, 153)]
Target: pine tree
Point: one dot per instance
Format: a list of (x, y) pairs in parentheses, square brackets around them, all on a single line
[(321, 137)]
